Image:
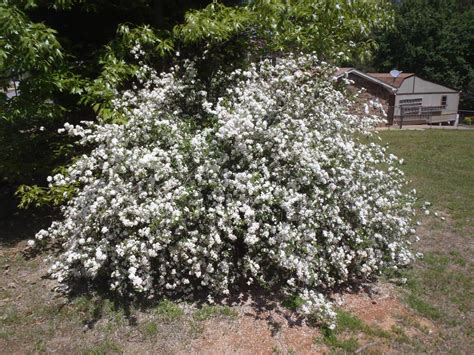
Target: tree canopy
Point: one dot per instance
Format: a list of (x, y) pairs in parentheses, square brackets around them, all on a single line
[(435, 39)]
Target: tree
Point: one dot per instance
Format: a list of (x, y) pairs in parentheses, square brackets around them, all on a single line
[(435, 40), (70, 70), (56, 52)]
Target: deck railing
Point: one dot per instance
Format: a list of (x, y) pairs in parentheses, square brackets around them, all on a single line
[(418, 110), (415, 114)]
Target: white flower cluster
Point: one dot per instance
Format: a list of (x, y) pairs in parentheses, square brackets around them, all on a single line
[(268, 185)]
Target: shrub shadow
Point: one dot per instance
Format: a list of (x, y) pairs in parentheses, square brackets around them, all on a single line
[(259, 303), (17, 224)]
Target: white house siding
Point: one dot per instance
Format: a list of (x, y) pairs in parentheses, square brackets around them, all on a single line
[(431, 95), (427, 86), (433, 99), (407, 86), (428, 109), (415, 84)]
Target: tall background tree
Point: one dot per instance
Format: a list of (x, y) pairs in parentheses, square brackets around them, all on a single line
[(434, 39), (55, 51)]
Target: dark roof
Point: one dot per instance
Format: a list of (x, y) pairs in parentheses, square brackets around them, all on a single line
[(390, 80), (381, 78)]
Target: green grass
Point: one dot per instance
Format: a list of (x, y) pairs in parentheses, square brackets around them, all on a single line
[(349, 345), (150, 329), (10, 316), (293, 302), (86, 309), (441, 275), (40, 347), (207, 312), (165, 313), (168, 315), (399, 334), (422, 307), (440, 164), (103, 348), (349, 322), (168, 311), (343, 337)]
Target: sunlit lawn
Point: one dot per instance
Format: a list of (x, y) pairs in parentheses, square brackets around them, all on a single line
[(440, 164)]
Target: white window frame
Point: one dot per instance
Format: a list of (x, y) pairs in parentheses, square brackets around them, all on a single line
[(411, 102)]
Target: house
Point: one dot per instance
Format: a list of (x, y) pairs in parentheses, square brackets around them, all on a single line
[(409, 98), (10, 90)]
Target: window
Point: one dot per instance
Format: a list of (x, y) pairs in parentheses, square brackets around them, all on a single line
[(411, 102), (444, 100), (410, 106)]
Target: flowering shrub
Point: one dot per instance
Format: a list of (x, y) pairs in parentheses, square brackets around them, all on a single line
[(268, 185)]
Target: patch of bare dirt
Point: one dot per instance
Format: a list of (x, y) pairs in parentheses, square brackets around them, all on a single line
[(258, 332), (381, 307), (275, 330)]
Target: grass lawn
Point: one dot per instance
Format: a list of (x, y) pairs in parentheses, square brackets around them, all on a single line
[(433, 312), (440, 164)]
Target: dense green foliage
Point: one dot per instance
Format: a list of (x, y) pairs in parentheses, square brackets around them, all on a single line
[(66, 57), (435, 39), (330, 28), (31, 52)]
